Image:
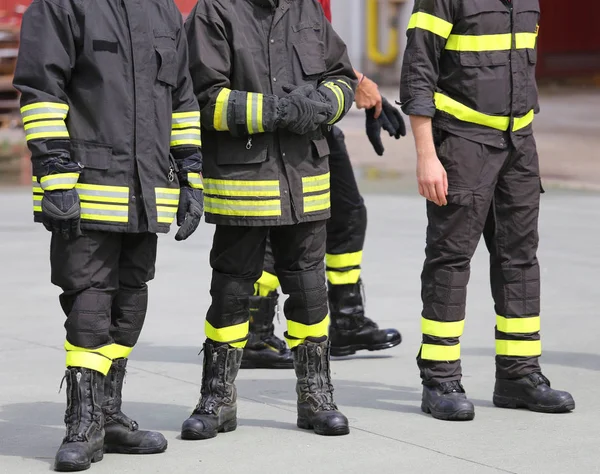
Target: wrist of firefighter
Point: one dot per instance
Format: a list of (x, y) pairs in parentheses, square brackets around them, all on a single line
[(245, 113), (339, 94), (189, 167), (56, 173)]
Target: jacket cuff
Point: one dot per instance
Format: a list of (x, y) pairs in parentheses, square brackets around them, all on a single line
[(421, 107)]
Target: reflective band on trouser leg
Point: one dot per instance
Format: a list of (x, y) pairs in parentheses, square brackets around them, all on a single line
[(99, 359), (44, 111), (515, 325), (221, 111), (440, 353), (343, 269), (167, 200), (239, 188), (431, 23), (467, 114), (59, 181), (298, 332), (518, 348), (195, 180), (235, 336), (442, 329), (46, 129), (266, 284), (185, 129), (111, 351)]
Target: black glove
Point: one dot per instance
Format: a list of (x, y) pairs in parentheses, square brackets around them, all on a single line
[(191, 196), (61, 213), (390, 120), (301, 111)]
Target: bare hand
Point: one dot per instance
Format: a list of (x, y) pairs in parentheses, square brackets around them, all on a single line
[(432, 179), (368, 96)]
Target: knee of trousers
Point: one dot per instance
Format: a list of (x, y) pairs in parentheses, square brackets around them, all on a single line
[(88, 321), (129, 309), (307, 301), (444, 294), (516, 290), (230, 301)]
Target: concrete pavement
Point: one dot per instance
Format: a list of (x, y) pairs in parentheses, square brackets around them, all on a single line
[(379, 392)]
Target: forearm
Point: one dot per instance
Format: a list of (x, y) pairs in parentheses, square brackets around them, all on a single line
[(423, 133)]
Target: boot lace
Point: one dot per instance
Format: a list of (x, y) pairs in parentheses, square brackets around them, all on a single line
[(539, 379), (452, 387)]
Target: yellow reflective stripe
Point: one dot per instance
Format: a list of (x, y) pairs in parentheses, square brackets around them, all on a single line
[(518, 348), (259, 113), (112, 351), (302, 331), (525, 40), (440, 353), (292, 341), (518, 325), (343, 278), (59, 181), (228, 333), (103, 193), (195, 180), (104, 212), (340, 98), (37, 203), (165, 215), (312, 184), (522, 122), (466, 114), (318, 202), (249, 112), (247, 208), (44, 110), (442, 329), (46, 129), (221, 106), (344, 260), (476, 43), (226, 187), (168, 196), (185, 119), (188, 136), (434, 24), (266, 284), (88, 360), (345, 83)]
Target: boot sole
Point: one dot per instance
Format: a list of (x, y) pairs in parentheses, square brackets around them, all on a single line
[(342, 351), (335, 431), (460, 415), (515, 403), (200, 435), (112, 449), (70, 467)]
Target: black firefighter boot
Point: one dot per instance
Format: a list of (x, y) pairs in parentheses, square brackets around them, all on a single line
[(121, 432), (447, 401), (532, 392), (84, 440), (316, 409), (216, 411), (264, 350), (350, 329)]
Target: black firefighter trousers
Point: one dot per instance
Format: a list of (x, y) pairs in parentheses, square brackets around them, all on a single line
[(497, 190), (237, 258), (103, 276), (346, 229)]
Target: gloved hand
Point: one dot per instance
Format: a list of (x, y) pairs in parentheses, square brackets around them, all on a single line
[(390, 120), (61, 213), (191, 197), (301, 111), (189, 212)]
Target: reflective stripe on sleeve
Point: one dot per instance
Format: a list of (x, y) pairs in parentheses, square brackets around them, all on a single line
[(431, 23), (340, 100), (63, 181), (46, 129), (221, 108), (44, 110), (195, 180)]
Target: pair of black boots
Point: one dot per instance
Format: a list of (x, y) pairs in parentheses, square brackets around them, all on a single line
[(448, 400), (95, 423), (216, 411), (350, 330)]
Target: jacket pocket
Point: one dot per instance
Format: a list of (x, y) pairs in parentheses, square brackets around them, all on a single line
[(311, 57), (167, 67), (532, 56), (484, 59), (321, 147), (95, 156), (241, 150)]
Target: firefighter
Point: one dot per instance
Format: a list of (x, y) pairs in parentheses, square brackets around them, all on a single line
[(113, 127), (269, 76), (468, 84), (350, 329)]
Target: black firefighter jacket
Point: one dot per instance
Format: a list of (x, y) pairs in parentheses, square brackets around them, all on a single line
[(106, 82), (471, 66), (258, 46)]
